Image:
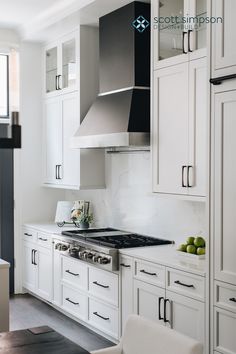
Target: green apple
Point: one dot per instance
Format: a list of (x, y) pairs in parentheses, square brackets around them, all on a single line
[(199, 242), (190, 240), (191, 249), (201, 251), (182, 248)]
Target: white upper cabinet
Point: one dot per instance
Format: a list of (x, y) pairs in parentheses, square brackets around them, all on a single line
[(177, 38), (179, 129), (223, 38), (224, 186), (61, 67)]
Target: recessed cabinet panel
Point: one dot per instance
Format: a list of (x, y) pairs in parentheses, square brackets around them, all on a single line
[(126, 269), (186, 316), (224, 38), (224, 331), (43, 259), (29, 269), (225, 192), (51, 69), (170, 130), (148, 301), (69, 69)]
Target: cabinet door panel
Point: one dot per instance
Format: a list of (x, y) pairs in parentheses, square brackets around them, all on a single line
[(29, 270), (44, 273), (71, 157), (224, 331), (146, 301), (225, 190), (187, 316), (170, 129), (224, 38), (126, 268), (198, 127), (53, 139)]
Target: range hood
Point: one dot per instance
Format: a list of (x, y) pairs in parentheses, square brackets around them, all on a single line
[(120, 116)]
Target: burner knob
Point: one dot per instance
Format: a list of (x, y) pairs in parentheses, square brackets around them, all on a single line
[(64, 248), (96, 259), (90, 255), (104, 260), (73, 252)]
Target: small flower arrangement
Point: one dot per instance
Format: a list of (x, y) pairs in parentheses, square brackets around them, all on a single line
[(84, 220)]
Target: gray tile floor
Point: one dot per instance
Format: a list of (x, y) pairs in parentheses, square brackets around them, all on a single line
[(27, 312)]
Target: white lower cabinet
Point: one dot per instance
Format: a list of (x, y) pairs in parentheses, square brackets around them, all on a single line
[(75, 302), (126, 274), (148, 300), (224, 331), (103, 317), (29, 269), (186, 315), (43, 260)]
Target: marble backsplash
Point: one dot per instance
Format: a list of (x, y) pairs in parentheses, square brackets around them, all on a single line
[(128, 202)]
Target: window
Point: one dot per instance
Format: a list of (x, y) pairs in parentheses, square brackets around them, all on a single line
[(4, 86)]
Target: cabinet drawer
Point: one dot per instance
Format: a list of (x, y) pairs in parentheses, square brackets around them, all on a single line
[(75, 302), (225, 296), (29, 234), (186, 284), (224, 331), (104, 317), (44, 240), (75, 273), (150, 273), (103, 285)]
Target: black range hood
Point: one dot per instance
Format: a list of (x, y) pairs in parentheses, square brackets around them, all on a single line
[(120, 116)]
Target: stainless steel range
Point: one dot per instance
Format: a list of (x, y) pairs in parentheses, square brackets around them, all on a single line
[(101, 246)]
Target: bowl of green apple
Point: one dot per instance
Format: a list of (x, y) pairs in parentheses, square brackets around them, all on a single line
[(193, 248)]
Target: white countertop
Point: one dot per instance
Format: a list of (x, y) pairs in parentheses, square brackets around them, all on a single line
[(4, 264), (50, 228), (168, 256), (165, 255)]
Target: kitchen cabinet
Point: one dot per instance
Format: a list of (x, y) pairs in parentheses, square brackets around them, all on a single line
[(64, 110), (37, 268), (43, 260), (29, 268), (224, 191), (223, 38), (185, 315), (176, 41), (126, 274), (224, 331), (61, 65), (148, 301), (179, 129), (65, 167)]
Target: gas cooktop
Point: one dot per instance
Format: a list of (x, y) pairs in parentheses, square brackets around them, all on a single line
[(113, 238)]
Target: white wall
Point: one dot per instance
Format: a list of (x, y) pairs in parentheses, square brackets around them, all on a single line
[(128, 203), (32, 202)]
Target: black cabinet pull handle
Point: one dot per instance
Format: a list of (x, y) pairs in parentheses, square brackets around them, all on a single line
[(32, 257), (101, 285), (43, 239), (69, 272), (72, 302), (233, 299), (58, 80), (35, 251), (59, 172), (188, 180), (189, 38), (159, 308), (184, 51), (183, 184), (219, 80), (125, 265), (26, 234), (56, 171), (165, 319), (148, 273), (100, 316), (182, 284)]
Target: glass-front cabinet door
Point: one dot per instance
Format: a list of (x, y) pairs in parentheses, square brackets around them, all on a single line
[(52, 69), (69, 64), (178, 33)]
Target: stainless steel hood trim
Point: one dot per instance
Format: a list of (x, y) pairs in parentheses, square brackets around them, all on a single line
[(124, 89), (110, 140)]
